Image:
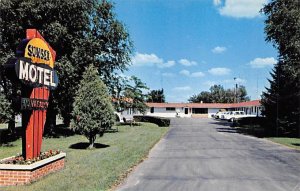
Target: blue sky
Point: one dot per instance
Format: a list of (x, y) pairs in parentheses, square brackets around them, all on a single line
[(185, 46)]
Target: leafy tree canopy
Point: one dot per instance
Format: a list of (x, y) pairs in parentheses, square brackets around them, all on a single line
[(82, 32), (218, 94), (156, 96)]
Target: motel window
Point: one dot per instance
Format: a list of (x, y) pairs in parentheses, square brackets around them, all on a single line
[(152, 110), (170, 108), (200, 111)]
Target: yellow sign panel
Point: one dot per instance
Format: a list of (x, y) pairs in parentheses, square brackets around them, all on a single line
[(38, 51)]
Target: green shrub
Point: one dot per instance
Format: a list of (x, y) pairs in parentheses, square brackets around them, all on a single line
[(250, 121), (160, 121), (251, 125), (93, 112)]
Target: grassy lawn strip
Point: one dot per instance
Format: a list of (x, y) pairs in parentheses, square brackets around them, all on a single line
[(290, 142), (96, 169)]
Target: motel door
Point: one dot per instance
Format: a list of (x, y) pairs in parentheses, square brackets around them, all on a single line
[(186, 111)]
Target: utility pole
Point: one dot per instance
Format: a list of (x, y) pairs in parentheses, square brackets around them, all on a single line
[(235, 91)]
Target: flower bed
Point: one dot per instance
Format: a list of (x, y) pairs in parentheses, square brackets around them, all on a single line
[(17, 171), (21, 161)]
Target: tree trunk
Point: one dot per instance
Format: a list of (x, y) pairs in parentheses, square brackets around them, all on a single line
[(12, 125), (92, 141), (50, 118)]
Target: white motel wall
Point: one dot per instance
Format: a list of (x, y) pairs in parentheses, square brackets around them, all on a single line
[(196, 110), (204, 110)]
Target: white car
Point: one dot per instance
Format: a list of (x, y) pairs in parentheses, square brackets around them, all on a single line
[(226, 115), (218, 115), (237, 115)]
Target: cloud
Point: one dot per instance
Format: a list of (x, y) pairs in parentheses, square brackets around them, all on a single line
[(150, 60), (217, 2), (167, 74), (185, 72), (186, 62), (166, 64), (219, 71), (194, 74), (219, 49), (197, 74), (240, 8), (262, 62), (182, 88)]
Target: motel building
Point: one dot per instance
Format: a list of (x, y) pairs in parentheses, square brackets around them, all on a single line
[(201, 110)]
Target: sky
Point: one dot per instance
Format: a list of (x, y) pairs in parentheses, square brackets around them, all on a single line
[(186, 46)]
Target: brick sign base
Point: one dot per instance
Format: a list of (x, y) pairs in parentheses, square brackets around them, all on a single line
[(24, 174)]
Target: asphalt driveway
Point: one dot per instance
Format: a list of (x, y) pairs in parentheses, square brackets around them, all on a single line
[(203, 154)]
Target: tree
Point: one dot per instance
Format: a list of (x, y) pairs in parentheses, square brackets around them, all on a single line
[(134, 92), (82, 32), (156, 96), (61, 22), (242, 94), (203, 96), (281, 100), (106, 44), (218, 94), (5, 109), (93, 112)]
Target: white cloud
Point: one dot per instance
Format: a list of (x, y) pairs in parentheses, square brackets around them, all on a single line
[(185, 72), (150, 60), (167, 74), (182, 88), (186, 62), (194, 74), (219, 71), (166, 64), (197, 74), (219, 49), (240, 8), (262, 62), (146, 59), (217, 2)]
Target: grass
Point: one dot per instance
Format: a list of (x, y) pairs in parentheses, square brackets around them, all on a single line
[(290, 142), (97, 169)]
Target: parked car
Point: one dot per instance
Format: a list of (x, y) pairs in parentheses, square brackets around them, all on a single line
[(225, 115), (218, 115), (236, 115)]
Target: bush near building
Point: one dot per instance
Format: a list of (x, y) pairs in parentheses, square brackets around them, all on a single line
[(161, 122)]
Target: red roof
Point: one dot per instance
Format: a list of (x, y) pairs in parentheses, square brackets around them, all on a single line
[(206, 105)]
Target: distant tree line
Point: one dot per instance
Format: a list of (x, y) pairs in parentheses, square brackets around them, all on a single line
[(281, 100), (218, 94)]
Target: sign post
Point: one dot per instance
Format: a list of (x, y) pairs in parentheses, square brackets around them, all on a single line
[(34, 67)]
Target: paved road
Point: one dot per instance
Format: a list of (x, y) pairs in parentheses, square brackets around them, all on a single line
[(203, 154)]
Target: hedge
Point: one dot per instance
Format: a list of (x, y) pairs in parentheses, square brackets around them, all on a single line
[(160, 121), (251, 125)]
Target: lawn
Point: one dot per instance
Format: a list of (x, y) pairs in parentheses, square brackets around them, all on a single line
[(290, 142), (96, 169)]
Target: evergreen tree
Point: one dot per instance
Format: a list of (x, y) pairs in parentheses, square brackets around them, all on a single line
[(93, 112), (281, 101)]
